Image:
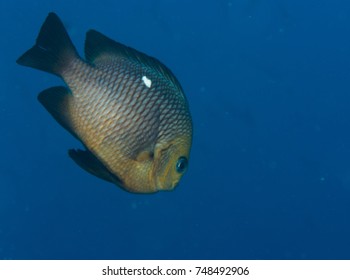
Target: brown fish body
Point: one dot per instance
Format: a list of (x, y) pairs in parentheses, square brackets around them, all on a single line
[(127, 108)]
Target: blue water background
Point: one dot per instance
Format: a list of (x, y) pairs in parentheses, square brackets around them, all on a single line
[(268, 84)]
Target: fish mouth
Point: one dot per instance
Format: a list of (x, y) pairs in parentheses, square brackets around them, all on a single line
[(163, 186)]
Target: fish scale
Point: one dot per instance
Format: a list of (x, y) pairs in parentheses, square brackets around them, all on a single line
[(121, 97), (127, 109)]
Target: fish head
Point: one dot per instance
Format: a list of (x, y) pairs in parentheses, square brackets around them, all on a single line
[(170, 163)]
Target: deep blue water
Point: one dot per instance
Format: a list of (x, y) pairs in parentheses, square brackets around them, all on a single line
[(269, 177)]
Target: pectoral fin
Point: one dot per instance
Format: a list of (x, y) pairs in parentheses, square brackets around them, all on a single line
[(87, 161), (144, 156)]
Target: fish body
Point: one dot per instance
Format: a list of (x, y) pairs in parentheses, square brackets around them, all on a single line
[(127, 108)]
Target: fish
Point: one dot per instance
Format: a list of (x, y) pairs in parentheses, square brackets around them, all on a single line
[(127, 108)]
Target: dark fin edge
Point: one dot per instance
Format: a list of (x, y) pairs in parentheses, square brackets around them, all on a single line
[(53, 49), (55, 100), (87, 161), (98, 45)]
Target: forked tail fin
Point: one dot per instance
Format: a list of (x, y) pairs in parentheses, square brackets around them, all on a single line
[(53, 50)]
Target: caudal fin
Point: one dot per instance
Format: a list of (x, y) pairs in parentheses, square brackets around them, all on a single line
[(53, 50)]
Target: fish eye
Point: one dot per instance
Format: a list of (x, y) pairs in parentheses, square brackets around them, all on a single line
[(181, 164)]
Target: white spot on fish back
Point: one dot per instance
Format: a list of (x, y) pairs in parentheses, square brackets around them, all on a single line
[(147, 81)]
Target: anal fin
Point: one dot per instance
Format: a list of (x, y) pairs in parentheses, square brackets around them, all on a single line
[(56, 102), (87, 161)]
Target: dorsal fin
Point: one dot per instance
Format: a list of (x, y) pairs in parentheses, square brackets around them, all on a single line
[(100, 49)]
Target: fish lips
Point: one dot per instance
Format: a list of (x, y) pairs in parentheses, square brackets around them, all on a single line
[(161, 186), (166, 182)]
